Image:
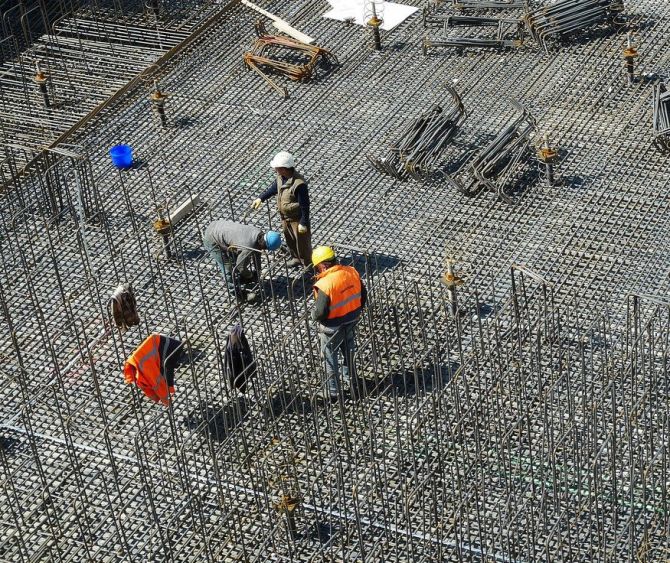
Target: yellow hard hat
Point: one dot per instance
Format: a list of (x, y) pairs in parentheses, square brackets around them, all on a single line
[(321, 254)]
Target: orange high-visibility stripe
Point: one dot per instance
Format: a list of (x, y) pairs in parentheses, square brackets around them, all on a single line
[(342, 285)]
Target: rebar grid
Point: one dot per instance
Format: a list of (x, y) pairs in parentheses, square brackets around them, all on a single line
[(530, 427), (85, 57)]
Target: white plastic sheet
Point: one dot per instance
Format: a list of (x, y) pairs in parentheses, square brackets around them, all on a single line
[(393, 14)]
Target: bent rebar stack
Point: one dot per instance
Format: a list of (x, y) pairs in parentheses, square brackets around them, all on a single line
[(278, 54), (662, 116), (508, 32), (566, 17), (417, 151), (500, 166)]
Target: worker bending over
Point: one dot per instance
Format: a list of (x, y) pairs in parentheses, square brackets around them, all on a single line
[(233, 246), (293, 204), (340, 296)]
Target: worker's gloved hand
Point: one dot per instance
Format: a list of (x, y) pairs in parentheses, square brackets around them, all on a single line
[(302, 229), (257, 203)]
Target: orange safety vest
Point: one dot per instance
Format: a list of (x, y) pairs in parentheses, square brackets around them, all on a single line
[(144, 368), (342, 285)]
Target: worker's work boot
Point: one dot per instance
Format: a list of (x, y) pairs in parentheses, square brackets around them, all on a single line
[(327, 395), (250, 297), (244, 296), (248, 277)]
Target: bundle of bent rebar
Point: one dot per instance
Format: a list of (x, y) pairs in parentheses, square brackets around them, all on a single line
[(498, 166), (662, 116), (487, 4), (421, 144), (265, 55), (567, 16)]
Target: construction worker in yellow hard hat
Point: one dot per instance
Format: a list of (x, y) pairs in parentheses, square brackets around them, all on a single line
[(339, 296), (292, 194)]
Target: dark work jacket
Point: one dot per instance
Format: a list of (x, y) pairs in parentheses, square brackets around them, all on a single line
[(302, 197), (239, 361)]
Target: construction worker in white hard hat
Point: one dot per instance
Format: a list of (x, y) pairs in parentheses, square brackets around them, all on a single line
[(339, 298), (293, 203)]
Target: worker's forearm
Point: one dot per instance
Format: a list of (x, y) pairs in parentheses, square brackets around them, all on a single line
[(270, 192)]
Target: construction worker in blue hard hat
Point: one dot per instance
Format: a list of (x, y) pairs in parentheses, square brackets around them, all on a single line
[(339, 298), (293, 204), (233, 246)]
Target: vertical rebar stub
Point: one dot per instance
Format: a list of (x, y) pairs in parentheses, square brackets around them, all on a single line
[(374, 19), (158, 103), (287, 505), (451, 281), (41, 80), (629, 55), (163, 228), (548, 156)]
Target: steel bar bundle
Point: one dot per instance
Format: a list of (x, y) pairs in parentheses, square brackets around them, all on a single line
[(508, 32), (569, 16), (498, 166), (488, 4), (417, 151), (275, 53), (662, 116)]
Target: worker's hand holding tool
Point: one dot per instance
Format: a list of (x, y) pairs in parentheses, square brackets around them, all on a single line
[(257, 203), (302, 229)]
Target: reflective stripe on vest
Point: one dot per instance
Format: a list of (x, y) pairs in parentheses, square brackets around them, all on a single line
[(342, 285)]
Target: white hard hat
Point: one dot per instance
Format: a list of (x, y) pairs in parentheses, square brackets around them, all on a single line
[(283, 159)]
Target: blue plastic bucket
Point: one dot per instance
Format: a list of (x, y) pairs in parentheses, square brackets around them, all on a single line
[(122, 156)]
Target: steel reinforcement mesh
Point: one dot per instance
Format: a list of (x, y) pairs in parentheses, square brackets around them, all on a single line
[(530, 424)]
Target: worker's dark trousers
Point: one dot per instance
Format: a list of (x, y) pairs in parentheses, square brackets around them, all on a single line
[(299, 244)]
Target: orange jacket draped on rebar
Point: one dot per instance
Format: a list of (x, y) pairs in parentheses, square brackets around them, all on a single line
[(151, 367)]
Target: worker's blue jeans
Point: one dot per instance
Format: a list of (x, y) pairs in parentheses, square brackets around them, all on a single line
[(333, 342), (225, 261)]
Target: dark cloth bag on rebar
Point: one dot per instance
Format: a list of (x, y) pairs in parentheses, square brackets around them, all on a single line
[(239, 360), (124, 307), (171, 353)]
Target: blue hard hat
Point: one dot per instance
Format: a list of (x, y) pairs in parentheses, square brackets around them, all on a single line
[(272, 240)]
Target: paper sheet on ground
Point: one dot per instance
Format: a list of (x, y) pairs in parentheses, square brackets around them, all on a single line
[(392, 16)]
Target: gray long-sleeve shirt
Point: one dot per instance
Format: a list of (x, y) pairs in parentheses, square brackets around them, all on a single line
[(235, 237)]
